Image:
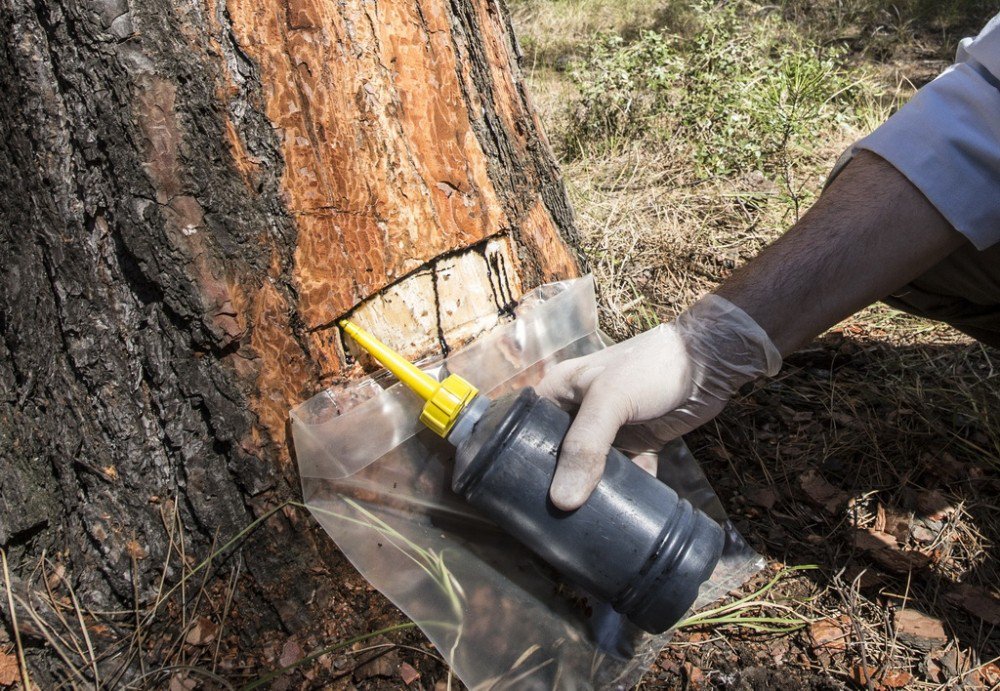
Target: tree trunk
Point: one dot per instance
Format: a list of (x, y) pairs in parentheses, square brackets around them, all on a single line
[(195, 193)]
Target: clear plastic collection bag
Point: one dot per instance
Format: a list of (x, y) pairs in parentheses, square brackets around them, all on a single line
[(380, 485)]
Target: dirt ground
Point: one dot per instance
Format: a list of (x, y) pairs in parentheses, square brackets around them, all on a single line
[(861, 460)]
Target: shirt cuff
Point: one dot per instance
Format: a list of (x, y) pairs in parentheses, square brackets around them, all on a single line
[(946, 141)]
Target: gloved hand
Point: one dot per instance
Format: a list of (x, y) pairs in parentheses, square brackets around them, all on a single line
[(671, 379)]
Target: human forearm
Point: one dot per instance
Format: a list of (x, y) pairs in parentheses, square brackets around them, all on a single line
[(870, 233)]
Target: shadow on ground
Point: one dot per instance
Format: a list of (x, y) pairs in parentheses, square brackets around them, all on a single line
[(879, 464)]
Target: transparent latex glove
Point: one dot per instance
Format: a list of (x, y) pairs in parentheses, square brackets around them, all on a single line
[(671, 379)]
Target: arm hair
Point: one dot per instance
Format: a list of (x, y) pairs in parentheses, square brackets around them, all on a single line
[(869, 234)]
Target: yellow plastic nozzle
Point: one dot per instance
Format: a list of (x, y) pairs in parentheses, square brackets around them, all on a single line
[(445, 400)]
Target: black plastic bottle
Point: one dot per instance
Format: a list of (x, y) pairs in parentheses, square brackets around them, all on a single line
[(633, 543)]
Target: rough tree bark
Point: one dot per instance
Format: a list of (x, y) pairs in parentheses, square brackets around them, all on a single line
[(194, 192)]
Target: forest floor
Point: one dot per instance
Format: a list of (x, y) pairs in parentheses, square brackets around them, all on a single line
[(690, 135)]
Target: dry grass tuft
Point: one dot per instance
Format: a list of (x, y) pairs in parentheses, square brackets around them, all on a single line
[(657, 239), (561, 31)]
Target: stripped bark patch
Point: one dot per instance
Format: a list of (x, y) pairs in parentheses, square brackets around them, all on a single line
[(399, 181)]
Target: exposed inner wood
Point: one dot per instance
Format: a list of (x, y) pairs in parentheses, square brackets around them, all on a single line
[(452, 301)]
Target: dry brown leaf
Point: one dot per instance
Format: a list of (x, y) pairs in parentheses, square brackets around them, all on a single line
[(407, 673), (896, 679), (861, 675), (954, 663), (919, 630), (291, 652), (9, 670), (990, 673), (977, 601), (202, 632), (830, 634), (933, 669)]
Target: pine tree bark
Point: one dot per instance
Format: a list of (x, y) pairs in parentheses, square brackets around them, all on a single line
[(194, 194)]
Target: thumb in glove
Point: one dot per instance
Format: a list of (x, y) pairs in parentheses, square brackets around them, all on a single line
[(672, 378)]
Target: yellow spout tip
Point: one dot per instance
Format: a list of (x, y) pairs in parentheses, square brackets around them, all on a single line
[(445, 400), (355, 332)]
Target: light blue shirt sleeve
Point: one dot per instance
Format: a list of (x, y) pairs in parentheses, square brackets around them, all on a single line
[(946, 140)]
